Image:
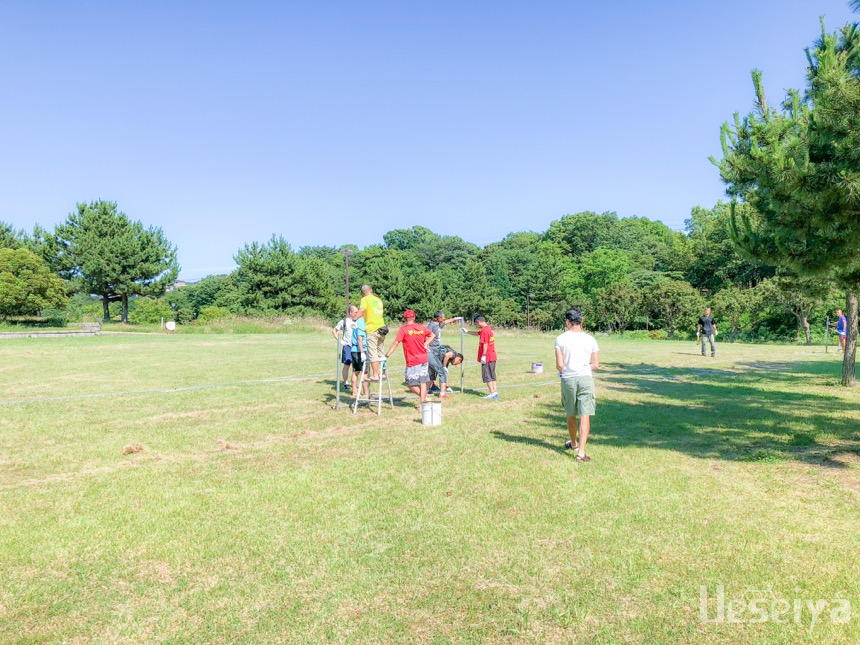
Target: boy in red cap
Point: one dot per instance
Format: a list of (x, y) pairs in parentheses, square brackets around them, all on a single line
[(416, 340)]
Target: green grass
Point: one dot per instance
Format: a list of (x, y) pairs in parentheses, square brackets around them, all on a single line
[(257, 513)]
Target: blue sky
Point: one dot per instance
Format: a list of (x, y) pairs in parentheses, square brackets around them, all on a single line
[(332, 123)]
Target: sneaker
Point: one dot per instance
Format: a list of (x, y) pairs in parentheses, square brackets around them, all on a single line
[(494, 396), (434, 389), (449, 391)]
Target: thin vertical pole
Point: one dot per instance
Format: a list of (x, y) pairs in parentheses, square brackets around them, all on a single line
[(463, 354), (346, 251), (337, 370)]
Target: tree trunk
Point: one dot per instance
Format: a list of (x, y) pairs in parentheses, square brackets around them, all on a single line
[(849, 375), (807, 331), (124, 308), (106, 305)]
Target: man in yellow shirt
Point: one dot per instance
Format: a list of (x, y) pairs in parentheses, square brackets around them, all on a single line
[(371, 308)]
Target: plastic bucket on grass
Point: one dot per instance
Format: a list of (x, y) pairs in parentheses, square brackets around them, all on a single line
[(537, 368), (431, 414)]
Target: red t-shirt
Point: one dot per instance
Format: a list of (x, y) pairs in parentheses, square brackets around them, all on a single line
[(486, 336), (412, 336)]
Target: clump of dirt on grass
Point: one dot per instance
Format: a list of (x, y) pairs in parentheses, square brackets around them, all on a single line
[(133, 448), (538, 395), (227, 445)]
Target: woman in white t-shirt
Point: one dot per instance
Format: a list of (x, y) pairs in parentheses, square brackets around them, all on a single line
[(576, 355)]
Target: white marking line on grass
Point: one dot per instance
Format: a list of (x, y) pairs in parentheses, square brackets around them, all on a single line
[(187, 388)]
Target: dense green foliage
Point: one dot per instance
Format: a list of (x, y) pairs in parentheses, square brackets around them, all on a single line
[(113, 257), (627, 273), (796, 169), (27, 285)]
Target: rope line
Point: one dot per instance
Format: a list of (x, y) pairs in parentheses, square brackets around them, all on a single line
[(187, 388)]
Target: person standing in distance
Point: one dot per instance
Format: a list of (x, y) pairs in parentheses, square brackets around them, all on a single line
[(576, 357), (486, 354), (707, 329), (370, 308), (841, 329)]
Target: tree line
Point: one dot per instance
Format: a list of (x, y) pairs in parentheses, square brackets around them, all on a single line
[(627, 273)]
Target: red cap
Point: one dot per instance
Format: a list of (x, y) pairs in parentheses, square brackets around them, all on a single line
[(409, 314)]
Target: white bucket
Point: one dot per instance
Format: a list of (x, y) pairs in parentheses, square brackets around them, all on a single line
[(537, 368), (431, 414)]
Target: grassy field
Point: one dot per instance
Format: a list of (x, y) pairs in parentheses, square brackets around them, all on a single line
[(257, 513)]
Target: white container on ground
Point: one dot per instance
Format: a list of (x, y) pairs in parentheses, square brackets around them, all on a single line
[(537, 368), (431, 414)]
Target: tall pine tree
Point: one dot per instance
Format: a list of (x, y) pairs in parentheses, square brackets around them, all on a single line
[(799, 169)]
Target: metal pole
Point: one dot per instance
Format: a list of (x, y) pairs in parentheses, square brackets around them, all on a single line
[(346, 251), (463, 354), (337, 370), (826, 333)]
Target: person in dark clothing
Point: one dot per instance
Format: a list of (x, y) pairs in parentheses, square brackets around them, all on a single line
[(707, 330)]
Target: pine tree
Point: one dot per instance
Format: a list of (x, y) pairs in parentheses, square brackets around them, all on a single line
[(798, 167), (113, 257)]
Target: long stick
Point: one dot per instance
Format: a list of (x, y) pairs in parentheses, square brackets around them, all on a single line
[(463, 354), (337, 369)]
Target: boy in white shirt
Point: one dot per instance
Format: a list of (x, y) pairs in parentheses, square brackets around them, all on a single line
[(576, 355)]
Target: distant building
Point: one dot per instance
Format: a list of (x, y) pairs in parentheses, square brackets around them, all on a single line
[(179, 284)]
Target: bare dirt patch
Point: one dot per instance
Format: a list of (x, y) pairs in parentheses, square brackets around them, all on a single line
[(157, 571), (133, 448)]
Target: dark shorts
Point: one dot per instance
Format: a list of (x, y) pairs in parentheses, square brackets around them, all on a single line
[(488, 371), (356, 361), (417, 374), (346, 355)]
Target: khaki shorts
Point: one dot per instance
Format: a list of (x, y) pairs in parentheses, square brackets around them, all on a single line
[(577, 396), (375, 347)]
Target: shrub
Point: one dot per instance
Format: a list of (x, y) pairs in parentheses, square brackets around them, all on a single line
[(56, 317), (212, 312), (149, 310)]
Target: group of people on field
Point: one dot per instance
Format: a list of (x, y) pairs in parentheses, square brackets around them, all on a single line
[(363, 332), (577, 355)]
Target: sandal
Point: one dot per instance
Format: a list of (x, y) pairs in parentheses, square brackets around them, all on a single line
[(569, 445), (583, 458)]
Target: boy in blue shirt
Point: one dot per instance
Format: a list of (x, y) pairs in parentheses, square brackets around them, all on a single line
[(359, 354)]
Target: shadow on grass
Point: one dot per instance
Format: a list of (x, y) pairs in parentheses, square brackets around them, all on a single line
[(759, 412)]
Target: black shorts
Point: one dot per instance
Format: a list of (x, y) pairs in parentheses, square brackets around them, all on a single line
[(488, 371), (356, 361)]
